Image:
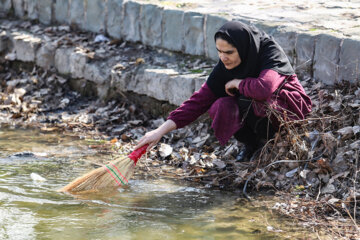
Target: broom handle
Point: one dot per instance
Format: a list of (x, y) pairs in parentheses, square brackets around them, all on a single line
[(135, 155)]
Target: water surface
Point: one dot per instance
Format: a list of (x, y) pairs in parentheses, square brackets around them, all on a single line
[(147, 209)]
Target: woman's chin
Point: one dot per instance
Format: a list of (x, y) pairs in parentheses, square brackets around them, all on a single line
[(229, 67)]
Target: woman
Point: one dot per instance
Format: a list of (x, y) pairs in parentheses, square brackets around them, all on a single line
[(252, 82)]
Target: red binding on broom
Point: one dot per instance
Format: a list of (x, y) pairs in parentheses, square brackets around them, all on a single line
[(116, 173)]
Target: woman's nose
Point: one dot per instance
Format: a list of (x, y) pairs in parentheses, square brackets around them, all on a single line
[(222, 57)]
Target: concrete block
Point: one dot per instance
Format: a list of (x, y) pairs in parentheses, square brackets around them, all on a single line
[(18, 6), (77, 13), (173, 33), (61, 11), (305, 48), (212, 25), (25, 46), (95, 15), (78, 60), (114, 18), (326, 59), (120, 79), (199, 81), (62, 60), (131, 23), (5, 43), (152, 82), (180, 88), (5, 7), (286, 38), (98, 72), (150, 24), (350, 61), (30, 7), (45, 11), (194, 34), (45, 55)]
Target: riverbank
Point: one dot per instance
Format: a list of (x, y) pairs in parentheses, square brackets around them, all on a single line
[(313, 164)]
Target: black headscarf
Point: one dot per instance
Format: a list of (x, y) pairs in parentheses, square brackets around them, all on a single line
[(257, 50)]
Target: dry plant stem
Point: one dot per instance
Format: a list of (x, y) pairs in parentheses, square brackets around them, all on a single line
[(354, 192)]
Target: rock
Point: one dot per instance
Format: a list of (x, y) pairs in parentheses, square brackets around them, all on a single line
[(212, 24), (37, 178), (45, 55), (305, 46), (286, 37), (61, 12), (114, 18), (76, 13), (5, 6), (219, 164), (194, 35), (131, 24), (329, 188), (355, 145), (95, 15), (62, 59), (44, 8), (329, 141), (25, 46), (291, 173), (172, 36), (151, 24), (349, 69), (77, 62), (346, 132), (98, 72), (18, 8), (165, 150), (327, 52)]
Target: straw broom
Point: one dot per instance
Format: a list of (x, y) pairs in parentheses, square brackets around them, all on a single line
[(114, 174)]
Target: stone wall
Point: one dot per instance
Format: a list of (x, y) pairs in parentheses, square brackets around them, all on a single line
[(326, 58)]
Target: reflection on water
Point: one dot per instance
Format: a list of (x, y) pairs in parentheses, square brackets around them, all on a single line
[(147, 209)]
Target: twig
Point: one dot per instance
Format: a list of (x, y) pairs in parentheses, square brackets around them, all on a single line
[(318, 195), (354, 192)]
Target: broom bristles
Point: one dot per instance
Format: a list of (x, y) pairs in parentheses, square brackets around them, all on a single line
[(112, 175), (115, 174)]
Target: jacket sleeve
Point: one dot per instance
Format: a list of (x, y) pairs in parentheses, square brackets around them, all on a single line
[(262, 87), (194, 107)]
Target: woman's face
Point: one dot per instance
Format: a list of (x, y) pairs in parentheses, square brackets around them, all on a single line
[(228, 54)]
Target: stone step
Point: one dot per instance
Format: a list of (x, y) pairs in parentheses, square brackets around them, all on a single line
[(323, 54), (151, 72)]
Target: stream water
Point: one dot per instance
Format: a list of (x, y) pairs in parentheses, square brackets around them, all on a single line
[(147, 209)]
